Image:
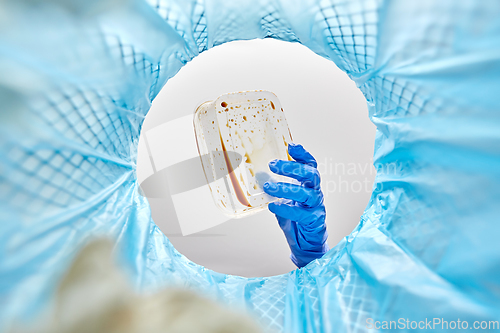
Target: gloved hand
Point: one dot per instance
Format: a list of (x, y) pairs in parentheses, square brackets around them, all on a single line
[(301, 214)]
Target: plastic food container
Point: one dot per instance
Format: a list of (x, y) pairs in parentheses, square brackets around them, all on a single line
[(237, 135)]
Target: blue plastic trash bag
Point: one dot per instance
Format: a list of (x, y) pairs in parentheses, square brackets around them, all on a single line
[(77, 78)]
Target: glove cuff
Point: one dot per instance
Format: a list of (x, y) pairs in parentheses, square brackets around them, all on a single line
[(305, 258)]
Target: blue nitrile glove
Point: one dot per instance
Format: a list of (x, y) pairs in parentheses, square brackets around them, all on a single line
[(301, 214)]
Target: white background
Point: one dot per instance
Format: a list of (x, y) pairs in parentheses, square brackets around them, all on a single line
[(326, 113)]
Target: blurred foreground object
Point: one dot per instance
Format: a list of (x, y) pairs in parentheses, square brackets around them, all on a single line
[(95, 297)]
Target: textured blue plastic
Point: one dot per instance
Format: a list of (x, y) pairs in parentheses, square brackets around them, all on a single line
[(78, 77)]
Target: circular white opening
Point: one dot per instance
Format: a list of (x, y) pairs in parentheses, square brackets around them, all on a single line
[(326, 113)]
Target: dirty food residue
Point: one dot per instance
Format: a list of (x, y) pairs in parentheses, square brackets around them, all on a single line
[(237, 188)]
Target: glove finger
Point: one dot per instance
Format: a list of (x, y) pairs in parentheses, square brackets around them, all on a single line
[(306, 174), (301, 155), (290, 211), (306, 196)]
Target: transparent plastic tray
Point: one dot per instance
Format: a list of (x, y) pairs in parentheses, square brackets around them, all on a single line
[(237, 135)]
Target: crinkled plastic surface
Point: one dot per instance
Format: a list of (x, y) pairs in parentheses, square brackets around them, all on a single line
[(78, 77)]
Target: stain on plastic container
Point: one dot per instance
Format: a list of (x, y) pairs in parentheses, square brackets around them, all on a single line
[(241, 132)]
